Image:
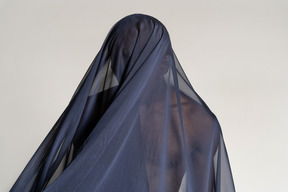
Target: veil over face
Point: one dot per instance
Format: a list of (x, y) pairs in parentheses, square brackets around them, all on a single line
[(134, 124)]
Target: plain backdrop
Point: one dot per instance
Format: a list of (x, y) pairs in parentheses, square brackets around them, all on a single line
[(233, 52)]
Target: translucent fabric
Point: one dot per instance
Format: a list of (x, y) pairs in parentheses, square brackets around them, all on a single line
[(134, 124)]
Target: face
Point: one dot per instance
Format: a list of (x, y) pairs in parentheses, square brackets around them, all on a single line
[(130, 37)]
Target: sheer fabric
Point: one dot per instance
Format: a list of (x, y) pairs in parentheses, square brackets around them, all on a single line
[(134, 124)]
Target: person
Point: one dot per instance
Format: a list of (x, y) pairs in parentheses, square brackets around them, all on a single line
[(133, 124)]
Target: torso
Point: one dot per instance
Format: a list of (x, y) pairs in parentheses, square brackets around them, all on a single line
[(165, 139)]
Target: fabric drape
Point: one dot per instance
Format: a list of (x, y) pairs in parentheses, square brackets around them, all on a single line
[(134, 124)]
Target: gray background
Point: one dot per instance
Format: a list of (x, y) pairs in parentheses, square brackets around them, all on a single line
[(234, 53)]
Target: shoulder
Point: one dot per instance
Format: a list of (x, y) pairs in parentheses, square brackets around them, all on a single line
[(201, 127)]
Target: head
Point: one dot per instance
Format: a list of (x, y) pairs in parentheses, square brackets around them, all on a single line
[(133, 39)]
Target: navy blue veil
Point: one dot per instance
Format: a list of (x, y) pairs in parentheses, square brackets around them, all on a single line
[(134, 124)]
